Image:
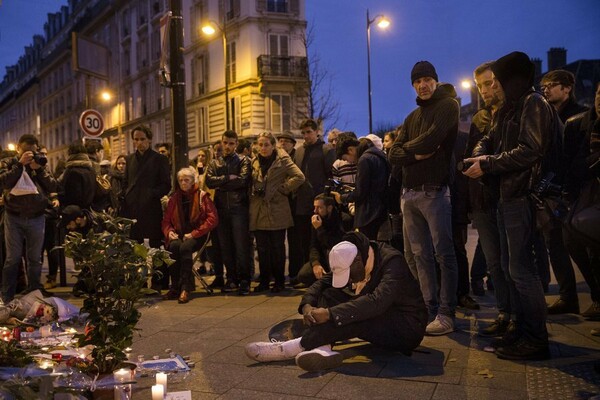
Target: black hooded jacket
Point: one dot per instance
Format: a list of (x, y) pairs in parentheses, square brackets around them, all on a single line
[(431, 128), (529, 130)]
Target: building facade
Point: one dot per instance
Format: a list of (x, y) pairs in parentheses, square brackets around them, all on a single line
[(264, 64)]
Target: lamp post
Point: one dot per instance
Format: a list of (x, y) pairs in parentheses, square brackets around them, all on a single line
[(210, 30), (382, 22)]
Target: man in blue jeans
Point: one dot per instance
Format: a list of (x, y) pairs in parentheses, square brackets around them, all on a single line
[(424, 150), (230, 175), (529, 133), (26, 183)]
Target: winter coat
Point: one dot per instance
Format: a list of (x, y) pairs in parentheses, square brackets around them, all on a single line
[(78, 182), (203, 216), (229, 193), (269, 207), (316, 162), (431, 128)]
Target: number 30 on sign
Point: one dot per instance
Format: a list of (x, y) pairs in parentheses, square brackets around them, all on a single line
[(91, 122)]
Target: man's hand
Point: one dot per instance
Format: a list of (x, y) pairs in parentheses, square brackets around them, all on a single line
[(337, 197), (232, 177), (187, 236), (26, 158), (321, 315), (474, 170), (55, 203), (309, 320), (318, 271), (316, 221), (173, 235)]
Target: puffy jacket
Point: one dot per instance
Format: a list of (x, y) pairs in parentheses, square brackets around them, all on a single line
[(78, 182), (29, 205), (229, 193)]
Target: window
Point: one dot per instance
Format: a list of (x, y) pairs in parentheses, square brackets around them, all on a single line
[(231, 8), (143, 12), (155, 43), (197, 17), (279, 45), (235, 114), (277, 6), (199, 75), (142, 53), (281, 105), (231, 69)]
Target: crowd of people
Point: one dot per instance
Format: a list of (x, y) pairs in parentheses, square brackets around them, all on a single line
[(375, 227)]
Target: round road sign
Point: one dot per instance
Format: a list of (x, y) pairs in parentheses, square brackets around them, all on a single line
[(91, 122)]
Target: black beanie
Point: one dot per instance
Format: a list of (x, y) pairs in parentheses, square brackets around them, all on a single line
[(513, 65), (360, 241), (421, 70)]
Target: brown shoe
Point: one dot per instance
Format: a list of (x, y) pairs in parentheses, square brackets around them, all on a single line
[(172, 294), (183, 297)]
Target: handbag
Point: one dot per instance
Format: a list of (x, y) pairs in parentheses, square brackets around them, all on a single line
[(583, 219), (24, 186)]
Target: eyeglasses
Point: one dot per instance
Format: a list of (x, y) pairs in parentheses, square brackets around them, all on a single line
[(548, 86)]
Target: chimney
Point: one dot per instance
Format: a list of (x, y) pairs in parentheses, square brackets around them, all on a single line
[(557, 58), (537, 62)]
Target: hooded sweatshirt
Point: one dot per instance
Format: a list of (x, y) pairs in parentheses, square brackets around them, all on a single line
[(431, 128)]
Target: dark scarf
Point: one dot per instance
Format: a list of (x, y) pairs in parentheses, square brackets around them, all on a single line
[(266, 162)]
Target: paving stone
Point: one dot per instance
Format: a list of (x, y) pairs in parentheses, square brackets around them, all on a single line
[(274, 379), (345, 387), (456, 392), (501, 379), (478, 359), (244, 394), (567, 378)]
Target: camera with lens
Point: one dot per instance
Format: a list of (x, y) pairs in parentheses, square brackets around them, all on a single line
[(545, 187), (336, 186), (463, 165), (549, 196), (258, 191), (40, 158)]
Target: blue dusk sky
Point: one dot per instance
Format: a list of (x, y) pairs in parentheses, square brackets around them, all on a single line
[(455, 35)]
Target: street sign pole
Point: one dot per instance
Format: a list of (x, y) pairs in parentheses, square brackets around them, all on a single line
[(178, 112)]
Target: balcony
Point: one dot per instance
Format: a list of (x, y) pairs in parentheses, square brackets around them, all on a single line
[(282, 67)]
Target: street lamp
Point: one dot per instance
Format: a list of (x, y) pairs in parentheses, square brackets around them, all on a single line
[(383, 23), (209, 30), (467, 84)]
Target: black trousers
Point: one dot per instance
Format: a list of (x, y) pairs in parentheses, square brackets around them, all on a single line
[(299, 243), (560, 260), (182, 277), (271, 256), (393, 329)]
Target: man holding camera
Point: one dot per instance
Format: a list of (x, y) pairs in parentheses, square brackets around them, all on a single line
[(26, 183), (530, 146)]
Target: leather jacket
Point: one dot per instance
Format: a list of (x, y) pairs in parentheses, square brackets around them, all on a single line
[(528, 132), (230, 193)]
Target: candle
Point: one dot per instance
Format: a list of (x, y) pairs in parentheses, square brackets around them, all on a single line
[(122, 375), (161, 379), (158, 392)]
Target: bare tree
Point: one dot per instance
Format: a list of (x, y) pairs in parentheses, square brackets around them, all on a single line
[(323, 106)]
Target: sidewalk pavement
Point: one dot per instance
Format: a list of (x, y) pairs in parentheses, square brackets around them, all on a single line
[(213, 331)]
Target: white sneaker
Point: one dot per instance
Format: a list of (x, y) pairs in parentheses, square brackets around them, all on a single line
[(273, 351), (441, 325), (319, 359)]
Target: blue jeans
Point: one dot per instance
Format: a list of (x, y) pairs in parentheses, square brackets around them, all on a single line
[(19, 230), (428, 227), (489, 237), (235, 242), (517, 219)]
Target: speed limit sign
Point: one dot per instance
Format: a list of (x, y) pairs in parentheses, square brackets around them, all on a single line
[(91, 122)]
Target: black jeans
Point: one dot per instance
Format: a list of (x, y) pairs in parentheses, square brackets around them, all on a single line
[(459, 236), (271, 255), (235, 242), (180, 271), (392, 329), (298, 243), (560, 260)]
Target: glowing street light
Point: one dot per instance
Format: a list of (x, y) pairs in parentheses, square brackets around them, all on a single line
[(466, 84), (105, 95), (382, 22), (209, 30)]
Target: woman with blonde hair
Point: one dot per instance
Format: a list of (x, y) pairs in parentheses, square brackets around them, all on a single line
[(274, 177), (189, 217)]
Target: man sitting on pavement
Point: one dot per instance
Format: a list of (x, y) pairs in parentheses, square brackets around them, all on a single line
[(370, 294), (326, 232)]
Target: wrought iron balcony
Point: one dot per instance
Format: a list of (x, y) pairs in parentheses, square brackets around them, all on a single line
[(279, 66)]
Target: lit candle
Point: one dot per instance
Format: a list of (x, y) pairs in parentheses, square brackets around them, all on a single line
[(122, 375), (158, 392), (161, 379)]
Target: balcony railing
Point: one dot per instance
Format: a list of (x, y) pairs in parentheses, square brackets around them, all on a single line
[(279, 66)]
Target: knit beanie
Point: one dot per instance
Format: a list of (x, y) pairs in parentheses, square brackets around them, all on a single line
[(421, 70)]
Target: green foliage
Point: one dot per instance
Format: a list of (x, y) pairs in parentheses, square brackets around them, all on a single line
[(13, 356), (114, 271)]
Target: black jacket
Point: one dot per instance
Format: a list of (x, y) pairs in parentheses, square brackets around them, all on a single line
[(578, 155), (323, 239), (369, 195), (230, 193), (78, 182), (570, 109), (392, 290), (315, 161), (29, 205), (431, 128)]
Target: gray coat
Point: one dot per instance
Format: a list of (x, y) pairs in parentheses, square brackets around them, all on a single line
[(270, 210)]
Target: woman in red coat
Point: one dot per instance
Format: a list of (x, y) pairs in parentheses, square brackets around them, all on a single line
[(189, 217)]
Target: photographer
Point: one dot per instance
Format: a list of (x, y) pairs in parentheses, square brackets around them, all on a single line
[(26, 183), (274, 177)]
